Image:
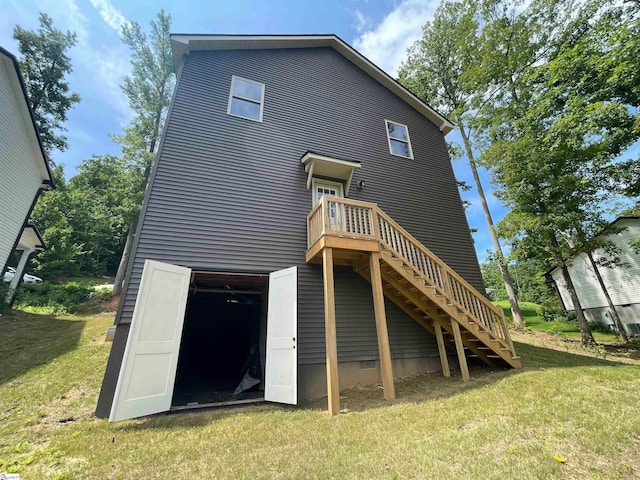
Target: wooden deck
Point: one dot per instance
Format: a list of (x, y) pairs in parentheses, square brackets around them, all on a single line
[(359, 234)]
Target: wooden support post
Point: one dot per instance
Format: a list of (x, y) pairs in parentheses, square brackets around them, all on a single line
[(386, 369), (462, 360), (442, 349), (333, 385)]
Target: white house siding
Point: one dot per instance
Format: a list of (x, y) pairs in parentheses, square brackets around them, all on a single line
[(20, 176), (623, 283)]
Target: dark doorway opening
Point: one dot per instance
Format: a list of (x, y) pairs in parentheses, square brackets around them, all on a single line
[(221, 353)]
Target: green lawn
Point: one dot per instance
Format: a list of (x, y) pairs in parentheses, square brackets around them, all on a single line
[(534, 321), (564, 415)]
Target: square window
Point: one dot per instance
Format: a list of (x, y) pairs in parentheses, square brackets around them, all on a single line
[(246, 99), (398, 138)]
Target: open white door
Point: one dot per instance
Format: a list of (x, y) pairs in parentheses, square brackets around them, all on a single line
[(281, 369), (148, 371)]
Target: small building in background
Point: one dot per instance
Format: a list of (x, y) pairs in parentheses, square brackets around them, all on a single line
[(622, 281), (24, 168)]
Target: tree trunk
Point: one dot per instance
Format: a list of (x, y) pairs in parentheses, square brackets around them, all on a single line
[(124, 260), (585, 331), (614, 313), (504, 270)]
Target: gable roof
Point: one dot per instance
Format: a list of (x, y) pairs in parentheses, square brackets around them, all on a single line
[(183, 44), (45, 169)]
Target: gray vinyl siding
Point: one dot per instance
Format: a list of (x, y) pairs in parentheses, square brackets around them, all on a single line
[(229, 194)]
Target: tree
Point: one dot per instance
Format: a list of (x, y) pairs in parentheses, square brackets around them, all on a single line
[(549, 147), (529, 281), (446, 69), (85, 220), (104, 213), (52, 214), (149, 89), (44, 66)]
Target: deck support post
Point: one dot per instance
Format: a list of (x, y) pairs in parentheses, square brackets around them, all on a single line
[(333, 385), (442, 350), (386, 369), (462, 360)]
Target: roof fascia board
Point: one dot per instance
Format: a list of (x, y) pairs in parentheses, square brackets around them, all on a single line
[(312, 156), (181, 45)]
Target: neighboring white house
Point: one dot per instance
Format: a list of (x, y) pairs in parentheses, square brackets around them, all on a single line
[(622, 282), (24, 171)]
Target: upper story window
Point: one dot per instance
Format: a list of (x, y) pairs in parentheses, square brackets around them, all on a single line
[(399, 141), (246, 99)]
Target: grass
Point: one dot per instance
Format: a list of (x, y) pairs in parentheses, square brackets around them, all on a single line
[(534, 321), (501, 424)]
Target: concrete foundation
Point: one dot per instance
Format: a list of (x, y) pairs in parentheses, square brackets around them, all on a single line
[(312, 379)]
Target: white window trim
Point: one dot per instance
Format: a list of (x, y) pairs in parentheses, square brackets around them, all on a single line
[(232, 96), (408, 142), (319, 182)]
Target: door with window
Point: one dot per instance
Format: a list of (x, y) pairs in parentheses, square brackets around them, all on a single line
[(330, 189)]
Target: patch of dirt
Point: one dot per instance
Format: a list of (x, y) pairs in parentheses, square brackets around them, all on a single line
[(104, 303), (75, 405), (110, 305)]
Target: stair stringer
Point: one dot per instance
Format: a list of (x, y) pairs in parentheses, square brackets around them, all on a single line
[(424, 316), (432, 301), (420, 318)]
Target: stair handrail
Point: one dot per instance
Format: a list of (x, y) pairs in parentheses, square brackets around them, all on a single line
[(448, 274), (447, 278)]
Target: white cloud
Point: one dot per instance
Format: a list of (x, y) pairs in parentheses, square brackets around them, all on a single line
[(110, 14), (386, 44), (363, 23)]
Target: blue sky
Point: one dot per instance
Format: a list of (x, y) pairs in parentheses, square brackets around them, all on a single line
[(380, 29)]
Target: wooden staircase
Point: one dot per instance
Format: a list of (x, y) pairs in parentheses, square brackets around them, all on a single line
[(414, 278)]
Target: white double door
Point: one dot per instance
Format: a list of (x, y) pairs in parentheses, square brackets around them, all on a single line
[(148, 372)]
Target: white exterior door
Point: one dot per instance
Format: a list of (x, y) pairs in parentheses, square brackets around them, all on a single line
[(148, 371), (330, 189), (281, 369)]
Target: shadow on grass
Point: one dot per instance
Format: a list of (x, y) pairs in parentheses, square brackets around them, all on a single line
[(536, 356), (413, 389), (30, 340)]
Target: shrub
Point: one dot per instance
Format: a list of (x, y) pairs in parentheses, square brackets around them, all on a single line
[(600, 327), (550, 310), (56, 299)]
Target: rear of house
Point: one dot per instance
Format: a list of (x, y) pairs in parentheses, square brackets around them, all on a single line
[(622, 280), (259, 131)]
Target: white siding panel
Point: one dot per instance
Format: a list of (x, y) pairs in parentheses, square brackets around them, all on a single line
[(19, 175), (622, 282)]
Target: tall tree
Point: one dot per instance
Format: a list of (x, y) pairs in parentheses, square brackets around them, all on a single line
[(568, 124), (44, 66), (446, 67), (149, 89)]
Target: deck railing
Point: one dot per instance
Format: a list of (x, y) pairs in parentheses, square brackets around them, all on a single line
[(342, 217), (362, 220)]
